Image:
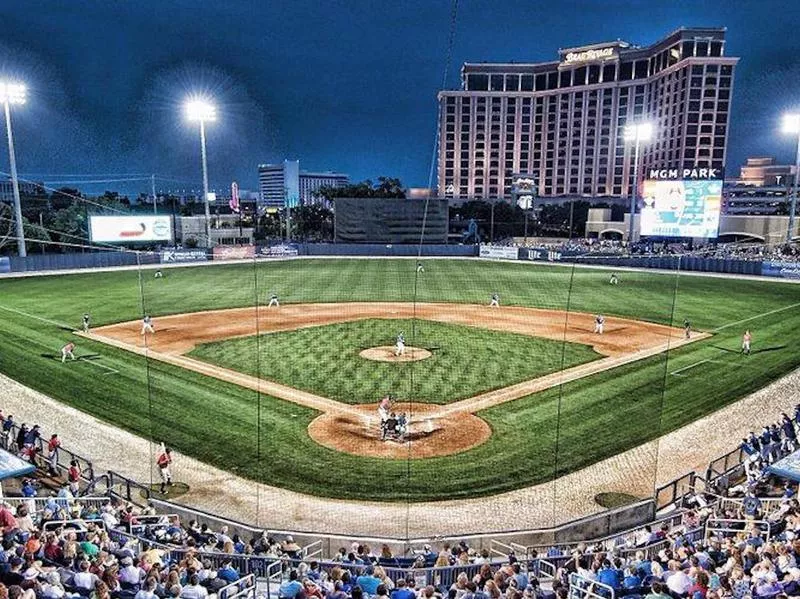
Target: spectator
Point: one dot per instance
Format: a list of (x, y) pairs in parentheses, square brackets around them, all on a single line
[(290, 588), (402, 591), (194, 590), (83, 579)]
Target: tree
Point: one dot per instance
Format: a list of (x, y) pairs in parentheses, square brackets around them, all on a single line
[(386, 187), (313, 223), (34, 234)]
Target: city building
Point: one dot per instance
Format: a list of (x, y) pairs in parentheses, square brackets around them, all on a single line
[(762, 187), (26, 188), (284, 183), (761, 171), (562, 122)]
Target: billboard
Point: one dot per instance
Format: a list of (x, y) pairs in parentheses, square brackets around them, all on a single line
[(499, 252), (130, 229), (681, 207), (168, 256), (234, 252)]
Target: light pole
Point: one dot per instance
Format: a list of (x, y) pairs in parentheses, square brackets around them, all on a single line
[(791, 124), (202, 110), (14, 93), (636, 134)]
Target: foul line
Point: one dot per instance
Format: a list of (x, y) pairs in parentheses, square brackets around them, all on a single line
[(730, 324), (103, 366), (47, 320), (675, 372)]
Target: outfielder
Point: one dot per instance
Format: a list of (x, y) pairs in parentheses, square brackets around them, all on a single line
[(746, 338), (159, 274), (273, 301), (400, 345), (85, 322), (614, 280), (420, 268), (147, 325), (163, 461), (67, 351), (495, 303), (599, 321)]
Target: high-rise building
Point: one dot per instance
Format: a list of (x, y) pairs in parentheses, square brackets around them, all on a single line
[(562, 123), (284, 183)]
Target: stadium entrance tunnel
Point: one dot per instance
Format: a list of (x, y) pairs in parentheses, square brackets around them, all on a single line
[(428, 433)]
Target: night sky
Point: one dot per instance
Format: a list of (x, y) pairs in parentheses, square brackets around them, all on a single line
[(345, 86)]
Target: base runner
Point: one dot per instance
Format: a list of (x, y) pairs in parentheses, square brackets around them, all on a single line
[(67, 351)]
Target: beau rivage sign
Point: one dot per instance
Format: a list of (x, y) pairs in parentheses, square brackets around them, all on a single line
[(590, 55), (685, 173)]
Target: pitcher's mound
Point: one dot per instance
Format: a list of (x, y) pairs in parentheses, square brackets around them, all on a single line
[(385, 353), (430, 433)]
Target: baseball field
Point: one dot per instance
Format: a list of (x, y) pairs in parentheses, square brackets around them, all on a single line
[(504, 398)]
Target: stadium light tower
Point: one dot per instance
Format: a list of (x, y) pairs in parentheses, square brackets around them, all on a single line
[(201, 110), (636, 134), (14, 93), (791, 125)]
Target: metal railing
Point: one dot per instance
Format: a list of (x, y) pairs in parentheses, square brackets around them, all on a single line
[(583, 588), (728, 527), (244, 587)]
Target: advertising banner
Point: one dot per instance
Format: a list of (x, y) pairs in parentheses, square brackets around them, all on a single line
[(498, 252), (234, 252), (130, 229), (168, 256), (681, 208), (783, 270), (278, 251), (544, 254)]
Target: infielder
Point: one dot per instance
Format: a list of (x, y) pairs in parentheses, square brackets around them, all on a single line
[(495, 303), (147, 325), (400, 345), (746, 338), (67, 351), (599, 321), (614, 280), (420, 268), (85, 322), (687, 328), (163, 461), (273, 301)]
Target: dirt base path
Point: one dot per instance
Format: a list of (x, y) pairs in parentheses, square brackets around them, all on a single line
[(355, 429)]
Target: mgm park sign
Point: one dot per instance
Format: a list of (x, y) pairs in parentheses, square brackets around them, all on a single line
[(668, 174)]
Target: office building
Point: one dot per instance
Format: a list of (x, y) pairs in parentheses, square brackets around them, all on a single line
[(562, 122), (285, 183)]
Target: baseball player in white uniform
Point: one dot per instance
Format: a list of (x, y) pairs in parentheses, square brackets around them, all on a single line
[(599, 321), (400, 345), (273, 301), (746, 338), (420, 268), (495, 303), (67, 351), (85, 322), (147, 325)]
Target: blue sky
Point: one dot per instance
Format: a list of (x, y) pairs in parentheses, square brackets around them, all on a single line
[(346, 86)]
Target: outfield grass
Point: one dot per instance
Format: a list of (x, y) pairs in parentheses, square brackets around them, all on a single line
[(257, 436), (325, 360)]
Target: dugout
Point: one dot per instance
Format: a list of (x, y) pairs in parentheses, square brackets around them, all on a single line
[(390, 220)]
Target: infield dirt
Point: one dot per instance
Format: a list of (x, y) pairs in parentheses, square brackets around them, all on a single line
[(435, 430)]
